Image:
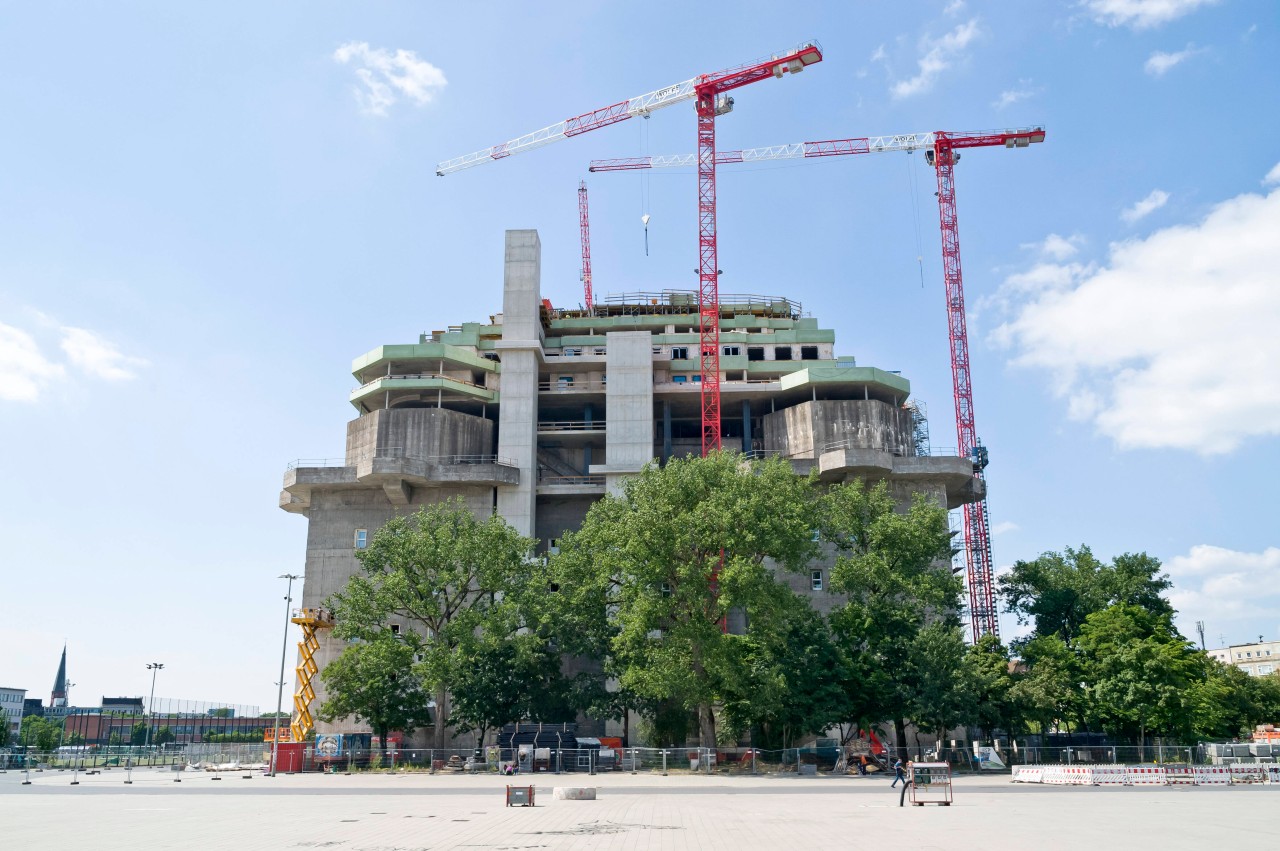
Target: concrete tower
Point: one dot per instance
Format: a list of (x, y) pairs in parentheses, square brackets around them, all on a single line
[(539, 412)]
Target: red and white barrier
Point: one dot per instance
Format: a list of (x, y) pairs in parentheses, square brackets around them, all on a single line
[(1213, 775), (1028, 774), (1248, 773), (1145, 775), (1149, 775), (1110, 775)]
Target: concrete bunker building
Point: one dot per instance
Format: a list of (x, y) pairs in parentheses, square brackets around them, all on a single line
[(543, 411)]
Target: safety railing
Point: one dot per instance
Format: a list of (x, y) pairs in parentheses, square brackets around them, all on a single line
[(571, 425), (571, 480), (399, 453), (853, 443), (419, 375), (569, 386)]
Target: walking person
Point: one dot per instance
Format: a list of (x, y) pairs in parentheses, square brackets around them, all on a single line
[(862, 765), (898, 773)]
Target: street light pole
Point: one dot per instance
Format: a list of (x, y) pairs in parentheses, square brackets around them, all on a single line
[(284, 649), (154, 668)]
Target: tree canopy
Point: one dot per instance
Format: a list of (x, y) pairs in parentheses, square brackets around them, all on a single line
[(447, 577), (1058, 591), (660, 566), (375, 681)]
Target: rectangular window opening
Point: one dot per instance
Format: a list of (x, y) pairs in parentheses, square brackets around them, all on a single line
[(808, 353), (361, 539), (782, 353), (815, 580), (679, 353), (755, 353), (731, 351)]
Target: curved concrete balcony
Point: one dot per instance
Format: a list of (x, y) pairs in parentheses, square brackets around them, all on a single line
[(396, 475), (954, 473), (421, 383)]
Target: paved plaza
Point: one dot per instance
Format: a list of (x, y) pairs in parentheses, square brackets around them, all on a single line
[(409, 812)]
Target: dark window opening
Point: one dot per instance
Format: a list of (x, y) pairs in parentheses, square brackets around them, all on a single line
[(755, 353), (808, 353), (782, 353), (679, 353)]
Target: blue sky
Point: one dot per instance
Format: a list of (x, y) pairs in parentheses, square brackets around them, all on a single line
[(208, 211)]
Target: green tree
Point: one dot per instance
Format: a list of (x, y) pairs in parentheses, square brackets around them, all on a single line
[(163, 736), (446, 574), (991, 682), (1060, 590), (941, 694), (41, 734), (654, 571), (1138, 670), (800, 676), (6, 733), (1049, 693), (138, 733), (503, 679), (893, 572), (375, 681)]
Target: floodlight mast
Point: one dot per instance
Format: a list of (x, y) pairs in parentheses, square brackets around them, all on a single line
[(941, 152), (710, 93)]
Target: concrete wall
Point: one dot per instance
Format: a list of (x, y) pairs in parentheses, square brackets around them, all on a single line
[(521, 352), (807, 428), (333, 517), (418, 433), (628, 405)]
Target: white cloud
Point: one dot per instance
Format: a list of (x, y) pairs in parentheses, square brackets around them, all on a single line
[(1004, 526), (1172, 342), (98, 357), (24, 370), (939, 55), (1224, 587), (1141, 14), (1157, 199), (954, 8), (1273, 176), (878, 55), (1011, 96), (1058, 247), (386, 76), (1158, 64)]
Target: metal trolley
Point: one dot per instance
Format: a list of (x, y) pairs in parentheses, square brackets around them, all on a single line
[(930, 784)]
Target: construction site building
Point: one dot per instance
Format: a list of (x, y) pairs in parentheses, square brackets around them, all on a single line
[(542, 411)]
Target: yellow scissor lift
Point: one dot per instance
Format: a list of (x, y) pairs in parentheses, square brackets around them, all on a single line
[(311, 621)]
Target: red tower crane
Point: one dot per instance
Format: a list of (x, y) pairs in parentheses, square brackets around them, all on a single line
[(941, 152), (710, 95), (584, 227)]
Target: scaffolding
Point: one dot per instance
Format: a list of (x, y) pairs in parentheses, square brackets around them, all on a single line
[(311, 621), (919, 427)]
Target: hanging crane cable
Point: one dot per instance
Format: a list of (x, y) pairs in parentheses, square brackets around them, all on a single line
[(914, 188), (645, 194)]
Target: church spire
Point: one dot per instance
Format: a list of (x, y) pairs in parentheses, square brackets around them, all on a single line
[(59, 697)]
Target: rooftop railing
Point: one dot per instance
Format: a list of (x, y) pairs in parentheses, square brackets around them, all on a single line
[(397, 452)]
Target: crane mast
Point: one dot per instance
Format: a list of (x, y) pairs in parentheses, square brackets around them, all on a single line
[(709, 91), (941, 152), (584, 227)]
